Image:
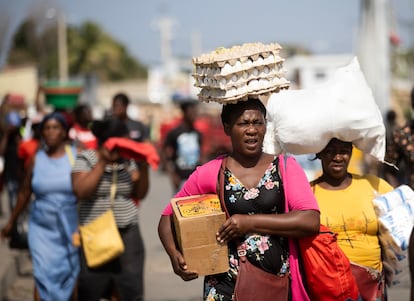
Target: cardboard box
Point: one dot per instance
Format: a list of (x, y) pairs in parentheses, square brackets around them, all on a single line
[(196, 220)]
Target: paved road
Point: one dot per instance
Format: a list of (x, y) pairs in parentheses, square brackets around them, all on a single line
[(160, 281), (161, 284)]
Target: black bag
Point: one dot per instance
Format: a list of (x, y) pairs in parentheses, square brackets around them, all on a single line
[(18, 235)]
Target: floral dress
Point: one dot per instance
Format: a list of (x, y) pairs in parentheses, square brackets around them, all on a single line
[(267, 252)]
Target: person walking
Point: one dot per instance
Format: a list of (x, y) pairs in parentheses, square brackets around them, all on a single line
[(9, 143), (254, 196), (53, 213), (92, 175), (400, 153), (137, 130), (346, 204), (182, 148)]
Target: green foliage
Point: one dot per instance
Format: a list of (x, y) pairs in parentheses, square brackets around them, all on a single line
[(403, 63), (291, 50), (31, 46), (91, 51)]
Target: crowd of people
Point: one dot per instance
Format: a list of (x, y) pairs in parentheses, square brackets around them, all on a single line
[(64, 173), (61, 173), (253, 197), (270, 207)]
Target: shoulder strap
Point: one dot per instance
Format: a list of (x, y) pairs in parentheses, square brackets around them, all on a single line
[(220, 186), (241, 247), (114, 183), (282, 173), (69, 152)]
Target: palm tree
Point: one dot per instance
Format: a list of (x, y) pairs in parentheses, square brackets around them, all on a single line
[(91, 51)]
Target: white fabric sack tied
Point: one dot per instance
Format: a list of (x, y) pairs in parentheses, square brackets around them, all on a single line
[(304, 121)]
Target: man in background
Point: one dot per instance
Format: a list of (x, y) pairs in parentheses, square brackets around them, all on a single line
[(400, 150), (182, 146), (138, 131)]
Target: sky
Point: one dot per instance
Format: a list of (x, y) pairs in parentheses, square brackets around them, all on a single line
[(322, 26)]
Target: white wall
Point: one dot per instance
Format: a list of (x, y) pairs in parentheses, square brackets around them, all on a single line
[(313, 69)]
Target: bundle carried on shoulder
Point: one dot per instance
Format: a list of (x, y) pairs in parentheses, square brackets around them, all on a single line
[(395, 212), (304, 121), (228, 75)]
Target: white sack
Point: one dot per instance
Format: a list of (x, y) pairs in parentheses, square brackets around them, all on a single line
[(304, 121), (397, 225), (403, 195), (395, 214)]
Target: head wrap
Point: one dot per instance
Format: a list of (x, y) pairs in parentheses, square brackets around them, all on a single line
[(57, 116)]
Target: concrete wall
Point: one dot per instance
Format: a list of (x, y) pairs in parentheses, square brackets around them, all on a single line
[(305, 71), (19, 80)]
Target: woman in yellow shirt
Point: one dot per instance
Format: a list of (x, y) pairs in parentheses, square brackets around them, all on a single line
[(346, 204)]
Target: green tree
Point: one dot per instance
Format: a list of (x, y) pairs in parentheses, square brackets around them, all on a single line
[(289, 50), (403, 63), (91, 51), (32, 46)]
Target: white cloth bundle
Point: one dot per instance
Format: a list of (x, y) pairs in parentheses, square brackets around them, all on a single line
[(397, 225), (304, 121), (400, 196), (396, 220)]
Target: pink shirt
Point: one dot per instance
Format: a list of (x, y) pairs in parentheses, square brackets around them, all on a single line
[(298, 195)]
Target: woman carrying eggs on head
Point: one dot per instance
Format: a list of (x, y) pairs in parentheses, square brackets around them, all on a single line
[(255, 200), (267, 197)]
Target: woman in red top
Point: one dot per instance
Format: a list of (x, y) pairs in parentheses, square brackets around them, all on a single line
[(80, 132)]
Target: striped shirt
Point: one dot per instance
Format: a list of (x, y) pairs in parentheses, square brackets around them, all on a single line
[(124, 208)]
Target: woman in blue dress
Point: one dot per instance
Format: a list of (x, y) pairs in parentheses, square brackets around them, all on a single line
[(53, 213)]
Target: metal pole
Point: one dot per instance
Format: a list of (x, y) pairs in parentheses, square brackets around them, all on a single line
[(62, 48), (374, 49)]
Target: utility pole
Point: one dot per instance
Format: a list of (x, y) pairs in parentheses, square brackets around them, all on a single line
[(59, 17), (374, 49), (165, 24), (196, 46), (62, 47)]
